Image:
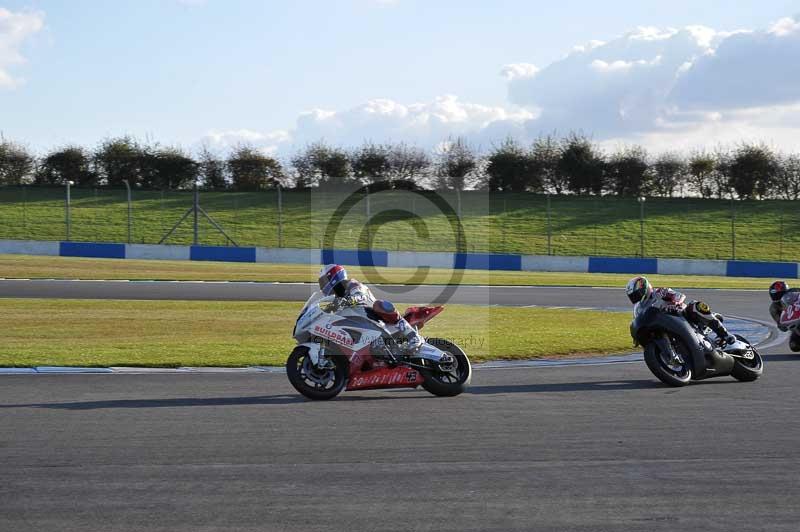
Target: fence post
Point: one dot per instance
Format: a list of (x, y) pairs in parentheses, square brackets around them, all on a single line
[(549, 234), (595, 214), (369, 214), (68, 208), (733, 230), (130, 209), (196, 214), (280, 217), (24, 212), (641, 226), (235, 218)]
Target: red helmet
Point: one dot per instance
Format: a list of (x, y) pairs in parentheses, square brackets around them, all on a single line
[(777, 289)]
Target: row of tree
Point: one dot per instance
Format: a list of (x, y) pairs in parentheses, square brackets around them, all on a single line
[(573, 164)]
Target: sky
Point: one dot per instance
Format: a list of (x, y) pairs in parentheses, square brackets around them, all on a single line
[(279, 75)]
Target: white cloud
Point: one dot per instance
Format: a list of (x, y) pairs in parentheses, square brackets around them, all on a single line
[(785, 26), (621, 66), (514, 71), (268, 143), (612, 87), (746, 69), (424, 123), (15, 28), (653, 84), (666, 88), (588, 46), (778, 126)]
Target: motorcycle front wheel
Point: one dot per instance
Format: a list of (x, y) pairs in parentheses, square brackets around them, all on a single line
[(671, 370), (313, 382), (449, 381), (747, 369)]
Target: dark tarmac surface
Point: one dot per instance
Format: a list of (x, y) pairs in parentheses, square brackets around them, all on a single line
[(584, 448)]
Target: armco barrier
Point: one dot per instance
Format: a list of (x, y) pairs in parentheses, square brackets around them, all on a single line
[(362, 257), (692, 267), (552, 263), (29, 247), (740, 268), (407, 259), (92, 249), (224, 254), (287, 255), (414, 259), (155, 251), (622, 265), (487, 261)]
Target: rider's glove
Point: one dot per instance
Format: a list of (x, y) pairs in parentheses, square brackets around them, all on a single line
[(414, 341)]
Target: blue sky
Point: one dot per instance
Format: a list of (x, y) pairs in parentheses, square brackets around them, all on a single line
[(222, 72)]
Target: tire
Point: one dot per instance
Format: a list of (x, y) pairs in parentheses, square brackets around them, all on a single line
[(745, 370), (794, 341), (456, 382), (660, 368), (315, 384)]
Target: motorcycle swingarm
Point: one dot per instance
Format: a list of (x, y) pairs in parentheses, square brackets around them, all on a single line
[(419, 367), (747, 356)]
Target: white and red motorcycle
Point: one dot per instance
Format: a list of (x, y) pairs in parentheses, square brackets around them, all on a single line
[(339, 347)]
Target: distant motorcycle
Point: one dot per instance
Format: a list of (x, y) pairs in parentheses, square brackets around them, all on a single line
[(790, 317), (678, 351), (339, 348)]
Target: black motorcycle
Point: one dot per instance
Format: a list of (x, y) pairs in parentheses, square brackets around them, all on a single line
[(678, 351)]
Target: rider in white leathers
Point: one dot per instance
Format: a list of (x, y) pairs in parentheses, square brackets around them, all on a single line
[(643, 294), (351, 293)]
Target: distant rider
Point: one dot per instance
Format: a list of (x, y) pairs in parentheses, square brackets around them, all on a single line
[(782, 296), (333, 280), (641, 293)]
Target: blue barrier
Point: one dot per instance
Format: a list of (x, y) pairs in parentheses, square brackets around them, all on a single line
[(91, 249), (482, 261), (777, 270), (222, 253), (622, 265), (353, 257), (487, 261)]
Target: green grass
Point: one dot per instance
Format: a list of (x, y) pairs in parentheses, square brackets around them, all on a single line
[(509, 222), (32, 267), (183, 333)]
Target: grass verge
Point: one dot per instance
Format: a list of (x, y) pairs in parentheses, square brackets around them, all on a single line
[(33, 267), (496, 222), (103, 333)]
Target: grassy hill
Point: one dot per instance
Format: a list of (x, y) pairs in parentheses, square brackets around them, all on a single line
[(505, 223)]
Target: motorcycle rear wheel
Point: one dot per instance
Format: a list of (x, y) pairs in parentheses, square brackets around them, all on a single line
[(452, 383), (747, 370), (312, 382), (666, 370)]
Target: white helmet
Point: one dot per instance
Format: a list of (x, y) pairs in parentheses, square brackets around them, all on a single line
[(330, 277)]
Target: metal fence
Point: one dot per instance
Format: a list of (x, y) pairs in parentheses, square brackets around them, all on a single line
[(409, 221)]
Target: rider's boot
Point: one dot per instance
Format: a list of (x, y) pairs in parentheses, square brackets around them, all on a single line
[(724, 338)]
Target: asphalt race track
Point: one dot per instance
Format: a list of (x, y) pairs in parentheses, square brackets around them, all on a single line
[(584, 448)]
